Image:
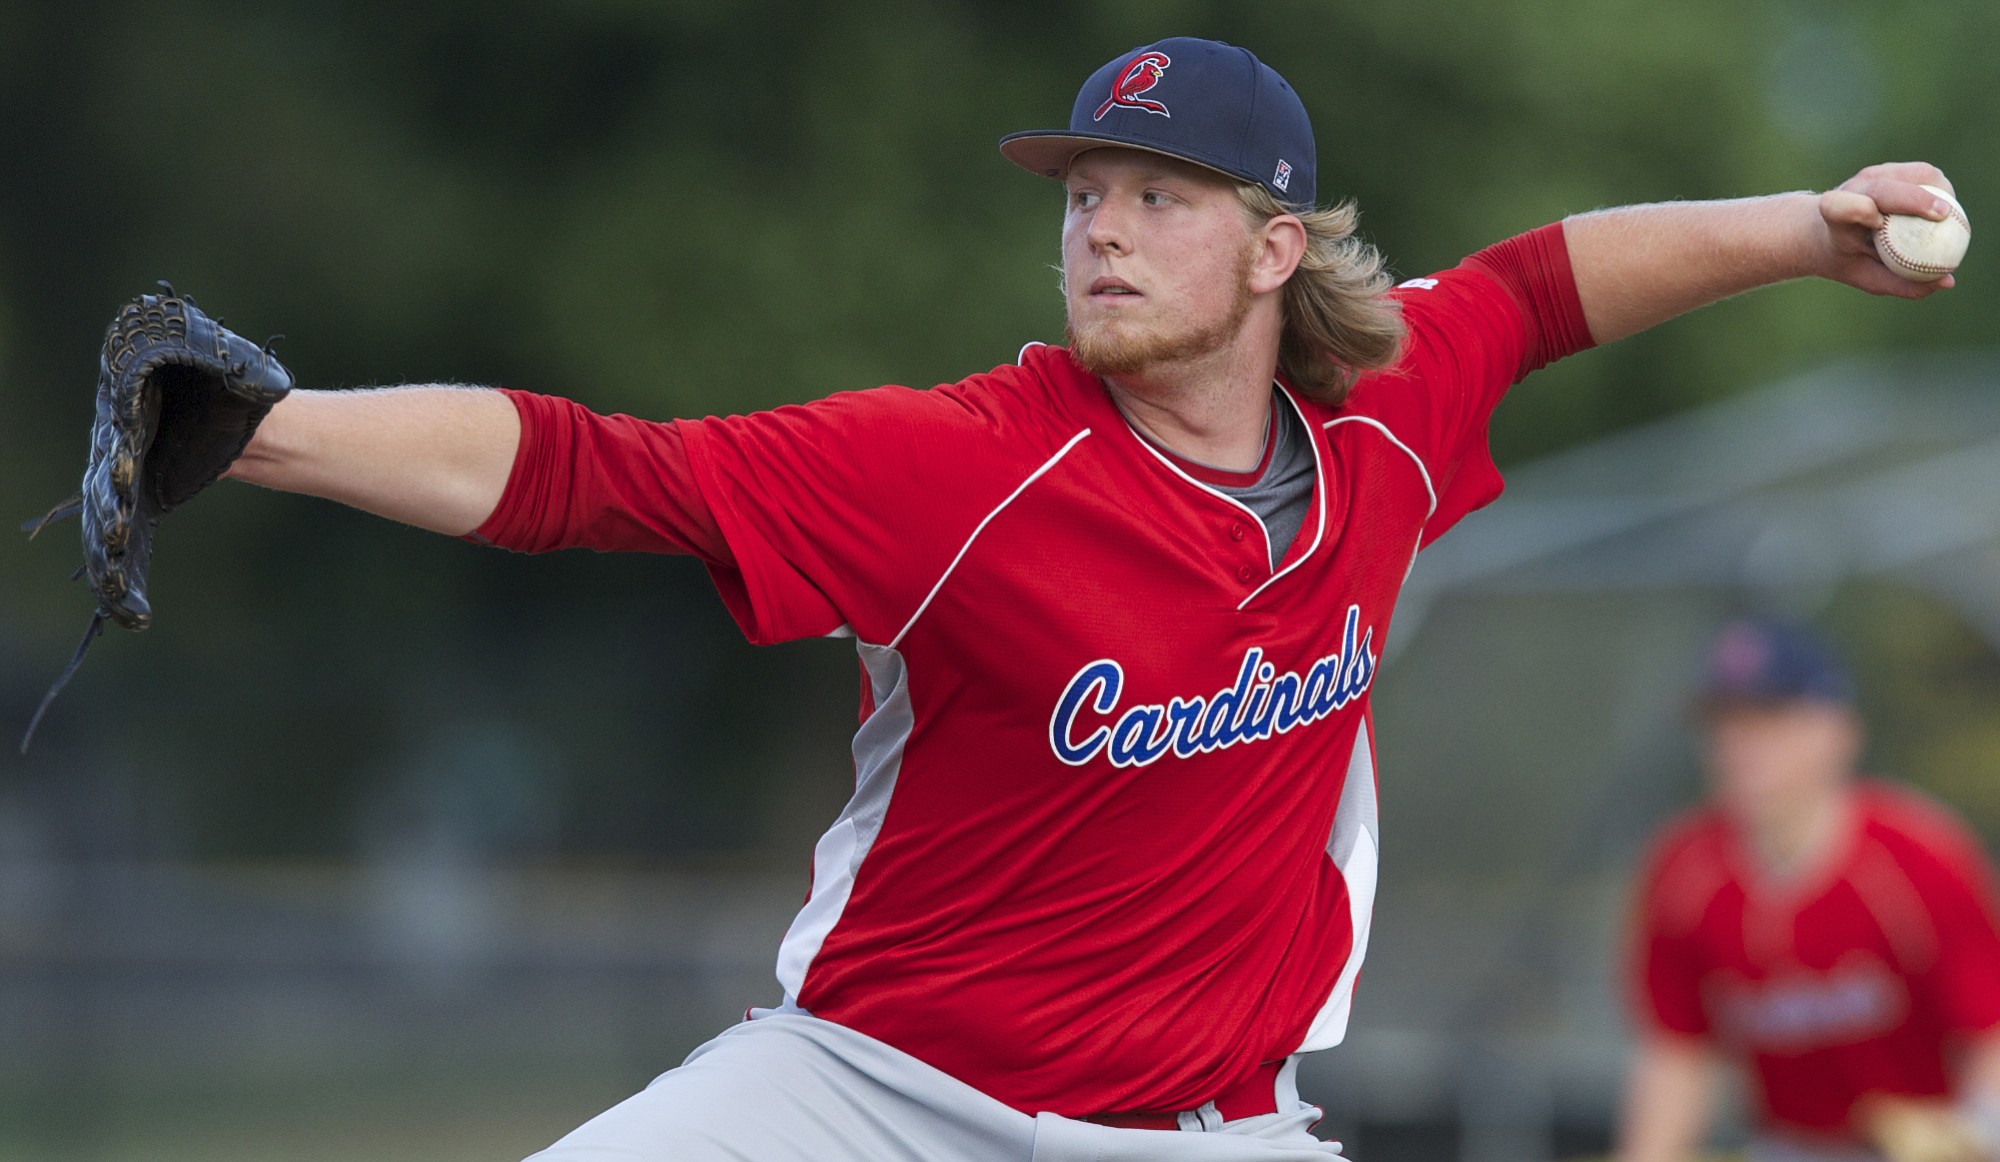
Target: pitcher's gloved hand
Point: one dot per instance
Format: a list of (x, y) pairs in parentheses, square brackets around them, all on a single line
[(178, 398), (1910, 1129)]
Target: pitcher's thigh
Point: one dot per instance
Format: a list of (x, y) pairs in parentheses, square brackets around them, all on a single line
[(757, 1095)]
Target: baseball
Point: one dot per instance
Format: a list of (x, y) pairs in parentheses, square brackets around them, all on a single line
[(1922, 250)]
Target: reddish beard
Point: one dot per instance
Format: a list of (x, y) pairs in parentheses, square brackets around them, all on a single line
[(1113, 346)]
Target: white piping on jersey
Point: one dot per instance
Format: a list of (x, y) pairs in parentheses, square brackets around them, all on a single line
[(1021, 359), (1215, 492), (1319, 483), (1379, 426), (981, 527), (1354, 848)]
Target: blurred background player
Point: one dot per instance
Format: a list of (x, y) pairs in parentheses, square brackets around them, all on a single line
[(1834, 935)]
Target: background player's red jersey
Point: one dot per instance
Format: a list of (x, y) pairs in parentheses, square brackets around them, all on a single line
[(1856, 979)]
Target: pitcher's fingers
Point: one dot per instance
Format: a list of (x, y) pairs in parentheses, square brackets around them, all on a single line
[(1920, 173), (1897, 196), (1850, 207)]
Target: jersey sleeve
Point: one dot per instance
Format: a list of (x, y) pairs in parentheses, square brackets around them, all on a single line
[(1534, 270), (1472, 333), (842, 514), (811, 518), (1664, 968), (611, 483)]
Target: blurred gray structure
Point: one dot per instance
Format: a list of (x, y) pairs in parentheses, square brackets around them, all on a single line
[(1532, 715), (1531, 735)]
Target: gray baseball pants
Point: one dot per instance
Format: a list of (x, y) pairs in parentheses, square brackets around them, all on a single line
[(788, 1087)]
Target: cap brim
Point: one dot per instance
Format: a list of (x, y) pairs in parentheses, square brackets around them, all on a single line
[(1710, 704), (1049, 152)]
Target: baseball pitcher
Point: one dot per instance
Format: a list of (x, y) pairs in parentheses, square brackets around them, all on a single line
[(1119, 605)]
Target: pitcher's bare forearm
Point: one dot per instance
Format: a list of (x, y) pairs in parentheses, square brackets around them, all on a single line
[(434, 456), (1636, 266)]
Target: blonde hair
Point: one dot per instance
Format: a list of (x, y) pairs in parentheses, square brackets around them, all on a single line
[(1339, 319)]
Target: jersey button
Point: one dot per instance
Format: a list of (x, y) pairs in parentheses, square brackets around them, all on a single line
[(1237, 532), (1245, 573)]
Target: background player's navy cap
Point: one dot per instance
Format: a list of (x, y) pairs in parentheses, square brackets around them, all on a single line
[(1199, 100), (1766, 660)]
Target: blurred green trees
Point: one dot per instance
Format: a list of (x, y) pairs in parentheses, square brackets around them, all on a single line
[(695, 207)]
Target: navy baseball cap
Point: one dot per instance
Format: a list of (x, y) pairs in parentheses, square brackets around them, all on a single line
[(1199, 100), (1766, 660)]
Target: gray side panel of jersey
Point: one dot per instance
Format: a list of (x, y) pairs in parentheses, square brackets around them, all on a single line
[(878, 761), (1354, 846)]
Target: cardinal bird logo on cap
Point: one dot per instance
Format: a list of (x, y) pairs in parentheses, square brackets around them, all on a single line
[(1142, 74)]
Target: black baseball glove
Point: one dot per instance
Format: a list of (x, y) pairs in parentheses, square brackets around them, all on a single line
[(178, 398)]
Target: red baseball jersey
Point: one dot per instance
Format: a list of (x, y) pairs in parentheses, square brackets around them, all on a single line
[(1112, 844), (1858, 979)]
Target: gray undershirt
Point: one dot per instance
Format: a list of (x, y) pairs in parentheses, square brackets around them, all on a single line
[(1282, 494)]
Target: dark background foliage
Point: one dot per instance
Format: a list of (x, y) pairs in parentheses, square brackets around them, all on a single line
[(677, 209)]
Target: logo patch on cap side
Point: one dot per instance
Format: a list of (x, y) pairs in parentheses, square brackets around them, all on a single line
[(1741, 655), (1283, 177), (1142, 74)]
